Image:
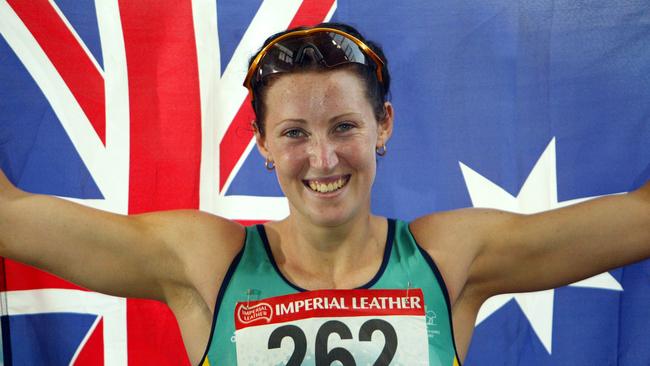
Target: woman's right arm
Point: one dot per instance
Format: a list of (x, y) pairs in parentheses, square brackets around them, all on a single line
[(146, 256)]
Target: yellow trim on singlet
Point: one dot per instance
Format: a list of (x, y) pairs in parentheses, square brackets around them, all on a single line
[(456, 363)]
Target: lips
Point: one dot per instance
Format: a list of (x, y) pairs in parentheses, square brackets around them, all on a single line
[(327, 185)]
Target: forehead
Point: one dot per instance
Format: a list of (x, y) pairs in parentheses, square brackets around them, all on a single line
[(304, 94)]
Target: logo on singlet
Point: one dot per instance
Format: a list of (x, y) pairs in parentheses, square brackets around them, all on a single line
[(432, 322), (249, 314)]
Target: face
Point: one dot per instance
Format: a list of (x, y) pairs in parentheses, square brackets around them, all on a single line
[(321, 133)]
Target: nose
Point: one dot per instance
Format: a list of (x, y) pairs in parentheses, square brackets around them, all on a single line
[(323, 155)]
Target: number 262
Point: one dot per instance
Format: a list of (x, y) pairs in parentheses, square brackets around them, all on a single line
[(325, 358)]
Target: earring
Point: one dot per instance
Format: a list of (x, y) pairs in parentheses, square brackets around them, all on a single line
[(269, 165), (381, 150)]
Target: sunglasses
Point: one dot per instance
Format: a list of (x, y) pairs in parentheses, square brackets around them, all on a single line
[(326, 47)]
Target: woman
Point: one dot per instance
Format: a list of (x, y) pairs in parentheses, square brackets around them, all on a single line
[(322, 117)]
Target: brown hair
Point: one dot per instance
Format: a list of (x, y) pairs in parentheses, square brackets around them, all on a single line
[(376, 91)]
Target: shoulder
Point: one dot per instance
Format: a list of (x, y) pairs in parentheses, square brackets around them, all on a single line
[(454, 239), (193, 228), (435, 230), (466, 226), (205, 245)]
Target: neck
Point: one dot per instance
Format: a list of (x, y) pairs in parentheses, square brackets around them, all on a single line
[(343, 256)]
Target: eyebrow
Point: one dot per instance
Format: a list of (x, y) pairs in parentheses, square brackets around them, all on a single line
[(348, 114), (303, 121), (289, 120)]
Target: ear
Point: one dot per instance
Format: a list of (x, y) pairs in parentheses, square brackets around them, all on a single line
[(385, 126), (260, 141)]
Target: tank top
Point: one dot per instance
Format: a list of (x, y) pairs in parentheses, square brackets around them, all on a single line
[(255, 275)]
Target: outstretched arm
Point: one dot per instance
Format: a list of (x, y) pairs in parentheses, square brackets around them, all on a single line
[(143, 256), (484, 252), (554, 248)]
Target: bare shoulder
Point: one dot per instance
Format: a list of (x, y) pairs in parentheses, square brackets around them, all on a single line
[(203, 243), (454, 239), (435, 231), (462, 225), (193, 229)]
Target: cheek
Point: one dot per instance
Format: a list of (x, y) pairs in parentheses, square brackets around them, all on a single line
[(360, 154), (291, 160)]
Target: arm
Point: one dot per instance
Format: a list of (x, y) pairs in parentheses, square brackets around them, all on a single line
[(550, 249), (483, 252), (488, 252), (147, 256)]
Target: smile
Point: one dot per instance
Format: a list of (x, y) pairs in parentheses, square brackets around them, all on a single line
[(327, 185)]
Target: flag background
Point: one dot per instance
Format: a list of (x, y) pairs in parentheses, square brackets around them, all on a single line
[(138, 106)]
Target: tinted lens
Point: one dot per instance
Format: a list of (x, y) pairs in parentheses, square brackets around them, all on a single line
[(325, 49)]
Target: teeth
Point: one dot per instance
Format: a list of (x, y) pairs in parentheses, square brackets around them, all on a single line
[(326, 188)]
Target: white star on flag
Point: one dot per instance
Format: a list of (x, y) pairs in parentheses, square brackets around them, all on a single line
[(539, 193)]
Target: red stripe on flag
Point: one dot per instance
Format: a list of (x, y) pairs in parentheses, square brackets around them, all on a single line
[(311, 12), (154, 337), (68, 57), (165, 105), (92, 353), (23, 277), (165, 147), (239, 133)]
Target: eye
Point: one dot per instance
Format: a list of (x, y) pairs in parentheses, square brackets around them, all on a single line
[(344, 126), (293, 133)]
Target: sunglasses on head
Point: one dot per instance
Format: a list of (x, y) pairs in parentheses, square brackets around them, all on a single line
[(324, 47)]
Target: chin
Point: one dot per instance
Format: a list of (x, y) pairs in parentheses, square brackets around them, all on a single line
[(328, 221), (331, 218)]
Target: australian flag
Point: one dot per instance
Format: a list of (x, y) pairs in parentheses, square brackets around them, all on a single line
[(136, 106)]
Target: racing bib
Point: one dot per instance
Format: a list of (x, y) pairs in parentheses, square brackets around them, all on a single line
[(353, 327)]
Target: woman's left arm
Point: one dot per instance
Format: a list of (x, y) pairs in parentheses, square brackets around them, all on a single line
[(520, 253)]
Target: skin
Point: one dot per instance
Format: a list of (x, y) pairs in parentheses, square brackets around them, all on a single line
[(328, 241)]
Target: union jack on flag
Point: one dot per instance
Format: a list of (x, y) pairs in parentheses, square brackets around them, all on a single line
[(136, 106)]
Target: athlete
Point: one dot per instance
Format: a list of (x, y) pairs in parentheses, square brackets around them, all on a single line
[(322, 118)]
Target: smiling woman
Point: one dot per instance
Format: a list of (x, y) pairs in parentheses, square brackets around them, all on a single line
[(393, 292), (321, 134)]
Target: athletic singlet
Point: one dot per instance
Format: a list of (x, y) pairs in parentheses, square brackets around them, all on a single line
[(254, 275)]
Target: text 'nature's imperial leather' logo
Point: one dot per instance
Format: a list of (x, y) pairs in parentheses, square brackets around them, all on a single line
[(249, 314)]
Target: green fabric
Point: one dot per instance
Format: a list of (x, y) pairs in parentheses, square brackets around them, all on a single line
[(406, 264)]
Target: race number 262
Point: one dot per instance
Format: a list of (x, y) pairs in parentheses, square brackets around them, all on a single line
[(325, 357)]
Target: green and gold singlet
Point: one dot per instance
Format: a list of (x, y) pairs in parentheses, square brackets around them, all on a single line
[(402, 316)]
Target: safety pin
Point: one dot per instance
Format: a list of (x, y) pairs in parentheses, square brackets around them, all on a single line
[(252, 292)]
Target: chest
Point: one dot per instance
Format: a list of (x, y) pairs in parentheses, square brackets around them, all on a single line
[(264, 318)]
